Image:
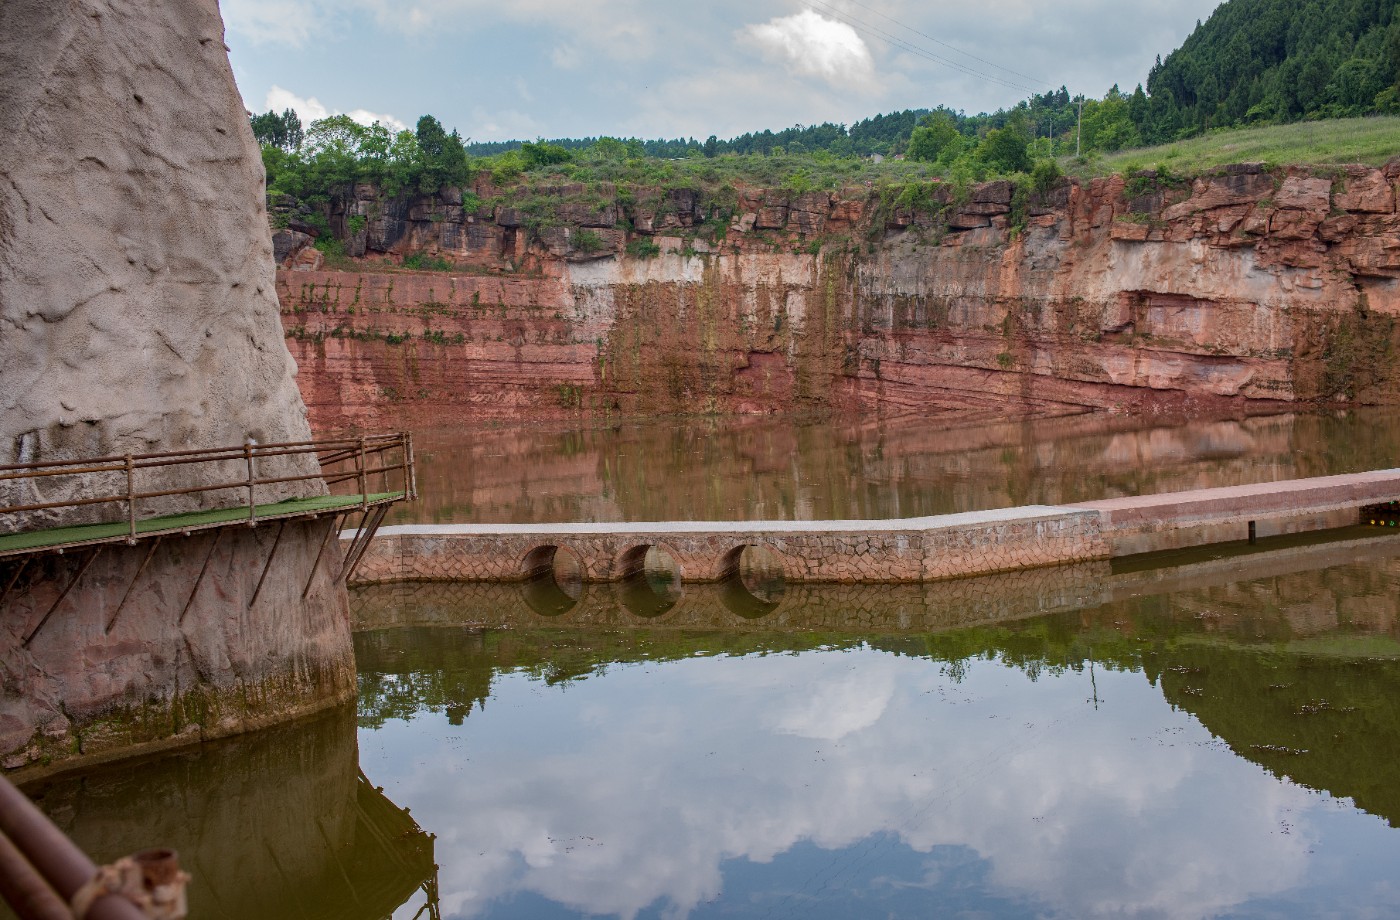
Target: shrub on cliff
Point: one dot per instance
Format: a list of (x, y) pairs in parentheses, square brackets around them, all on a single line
[(543, 154)]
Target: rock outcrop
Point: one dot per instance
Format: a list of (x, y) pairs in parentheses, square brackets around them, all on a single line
[(138, 314), (138, 308), (1247, 287)]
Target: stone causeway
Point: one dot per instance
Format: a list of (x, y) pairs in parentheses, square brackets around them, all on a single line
[(890, 551)]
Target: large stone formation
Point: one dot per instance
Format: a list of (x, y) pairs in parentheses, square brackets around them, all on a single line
[(138, 313), (138, 303)]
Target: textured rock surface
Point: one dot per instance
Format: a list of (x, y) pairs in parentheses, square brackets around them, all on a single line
[(202, 647), (138, 313), (138, 309), (1244, 288)]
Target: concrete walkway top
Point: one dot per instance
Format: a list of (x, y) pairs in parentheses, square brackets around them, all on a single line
[(738, 528), (1290, 495)]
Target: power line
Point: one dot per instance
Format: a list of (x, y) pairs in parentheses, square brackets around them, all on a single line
[(938, 41), (868, 29)]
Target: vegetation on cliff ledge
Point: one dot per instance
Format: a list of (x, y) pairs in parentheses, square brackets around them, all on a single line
[(1255, 62)]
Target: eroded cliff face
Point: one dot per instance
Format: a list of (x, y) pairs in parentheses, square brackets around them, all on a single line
[(1250, 288), (138, 308), (138, 314)]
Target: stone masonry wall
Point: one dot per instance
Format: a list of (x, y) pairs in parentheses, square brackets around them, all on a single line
[(901, 550), (912, 608), (840, 552)]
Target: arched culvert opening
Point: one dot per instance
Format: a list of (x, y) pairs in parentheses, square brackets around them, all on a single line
[(553, 580), (752, 581), (651, 580)]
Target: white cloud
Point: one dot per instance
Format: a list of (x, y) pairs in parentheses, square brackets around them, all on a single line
[(814, 46), (566, 56), (593, 64), (274, 22), (312, 109)]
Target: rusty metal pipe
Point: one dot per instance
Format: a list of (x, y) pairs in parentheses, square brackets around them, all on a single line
[(56, 858), (24, 889)]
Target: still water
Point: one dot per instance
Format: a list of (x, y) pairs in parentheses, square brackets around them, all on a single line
[(860, 469), (1218, 738), (1213, 734)]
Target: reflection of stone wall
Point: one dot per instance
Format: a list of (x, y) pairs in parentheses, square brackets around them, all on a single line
[(138, 309), (835, 608), (781, 468), (270, 825), (167, 673)]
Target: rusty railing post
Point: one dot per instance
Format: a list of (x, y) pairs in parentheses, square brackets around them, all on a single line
[(24, 889), (130, 500), (364, 483), (57, 859), (252, 506), (410, 477)]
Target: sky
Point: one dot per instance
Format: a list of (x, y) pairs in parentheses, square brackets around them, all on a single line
[(524, 69)]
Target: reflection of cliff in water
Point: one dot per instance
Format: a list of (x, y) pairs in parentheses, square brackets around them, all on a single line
[(766, 468), (1291, 654), (278, 824)]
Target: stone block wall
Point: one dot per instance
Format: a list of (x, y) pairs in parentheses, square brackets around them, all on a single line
[(892, 551), (837, 552)]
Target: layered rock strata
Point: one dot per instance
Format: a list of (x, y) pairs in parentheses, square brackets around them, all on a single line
[(209, 637), (1249, 287)]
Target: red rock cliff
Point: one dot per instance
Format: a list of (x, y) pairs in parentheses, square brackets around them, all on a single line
[(1247, 287)]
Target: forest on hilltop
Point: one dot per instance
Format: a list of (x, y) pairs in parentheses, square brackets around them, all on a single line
[(1275, 62), (1253, 62)]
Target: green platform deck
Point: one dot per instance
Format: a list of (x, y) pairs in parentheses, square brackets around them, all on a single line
[(119, 531)]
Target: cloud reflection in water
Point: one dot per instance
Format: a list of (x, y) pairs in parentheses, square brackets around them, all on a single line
[(630, 791)]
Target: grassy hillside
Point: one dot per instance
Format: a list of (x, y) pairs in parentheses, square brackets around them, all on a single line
[(1341, 140)]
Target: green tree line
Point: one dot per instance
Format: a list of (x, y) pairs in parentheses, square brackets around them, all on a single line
[(1274, 62), (1253, 61)]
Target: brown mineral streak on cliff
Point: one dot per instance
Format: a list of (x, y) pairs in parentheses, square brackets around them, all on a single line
[(1247, 288)]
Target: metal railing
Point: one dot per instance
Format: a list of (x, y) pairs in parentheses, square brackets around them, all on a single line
[(384, 461)]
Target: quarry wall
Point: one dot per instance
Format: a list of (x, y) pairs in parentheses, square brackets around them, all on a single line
[(1252, 287)]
